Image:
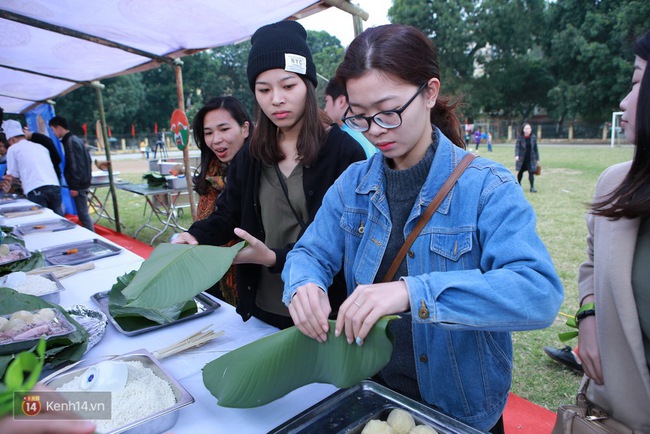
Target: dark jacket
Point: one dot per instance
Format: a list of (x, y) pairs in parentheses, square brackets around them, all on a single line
[(520, 151), (238, 206), (45, 141), (78, 164)]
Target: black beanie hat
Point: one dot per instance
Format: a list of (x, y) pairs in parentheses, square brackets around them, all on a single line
[(642, 46), (282, 45)]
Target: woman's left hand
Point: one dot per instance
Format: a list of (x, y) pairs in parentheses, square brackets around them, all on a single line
[(255, 252), (361, 310)]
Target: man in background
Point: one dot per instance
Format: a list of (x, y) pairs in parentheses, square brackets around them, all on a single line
[(336, 103), (77, 169), (30, 162), (46, 142)]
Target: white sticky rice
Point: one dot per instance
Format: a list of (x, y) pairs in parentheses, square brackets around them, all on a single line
[(145, 393)]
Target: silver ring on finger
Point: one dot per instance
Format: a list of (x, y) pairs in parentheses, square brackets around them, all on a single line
[(357, 303)]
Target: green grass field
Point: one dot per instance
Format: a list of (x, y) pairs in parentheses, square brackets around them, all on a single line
[(569, 175), (565, 187)]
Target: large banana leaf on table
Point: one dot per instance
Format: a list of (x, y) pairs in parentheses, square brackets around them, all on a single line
[(271, 367), (166, 283)]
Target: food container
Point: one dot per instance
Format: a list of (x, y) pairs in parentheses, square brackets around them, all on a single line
[(17, 252), (205, 304), (54, 225), (79, 252), (166, 166), (14, 210), (176, 182), (53, 296), (155, 423), (101, 177), (15, 338), (349, 410)]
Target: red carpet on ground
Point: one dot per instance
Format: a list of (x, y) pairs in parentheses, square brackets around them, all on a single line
[(520, 416)]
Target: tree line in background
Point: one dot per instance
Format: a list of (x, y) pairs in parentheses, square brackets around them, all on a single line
[(569, 59)]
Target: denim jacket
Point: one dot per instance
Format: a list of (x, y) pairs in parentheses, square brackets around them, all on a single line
[(477, 271)]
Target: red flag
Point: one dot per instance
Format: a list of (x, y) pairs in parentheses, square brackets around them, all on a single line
[(85, 128), (109, 131), (155, 127), (132, 130)]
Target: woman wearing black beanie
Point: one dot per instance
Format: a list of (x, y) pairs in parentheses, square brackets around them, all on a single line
[(277, 182)]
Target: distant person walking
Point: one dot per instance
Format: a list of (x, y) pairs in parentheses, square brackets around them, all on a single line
[(477, 137), (489, 141), (77, 169), (527, 155)]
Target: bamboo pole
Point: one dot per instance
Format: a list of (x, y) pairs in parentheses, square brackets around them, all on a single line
[(107, 150), (178, 73)]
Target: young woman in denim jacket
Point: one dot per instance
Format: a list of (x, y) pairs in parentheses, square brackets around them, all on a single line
[(476, 272)]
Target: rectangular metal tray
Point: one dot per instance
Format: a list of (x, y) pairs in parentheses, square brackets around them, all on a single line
[(88, 250), (13, 247), (53, 296), (11, 208), (8, 198), (161, 421), (349, 410), (54, 225), (205, 304)]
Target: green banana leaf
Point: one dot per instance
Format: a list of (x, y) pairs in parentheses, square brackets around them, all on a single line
[(61, 349), (131, 322), (170, 278), (271, 367), (155, 179)]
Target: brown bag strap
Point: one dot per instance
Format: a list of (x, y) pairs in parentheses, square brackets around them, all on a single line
[(433, 206)]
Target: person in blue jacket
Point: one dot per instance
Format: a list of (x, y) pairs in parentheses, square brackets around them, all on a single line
[(475, 273)]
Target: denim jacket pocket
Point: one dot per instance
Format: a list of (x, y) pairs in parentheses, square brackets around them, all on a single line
[(451, 245), (453, 251)]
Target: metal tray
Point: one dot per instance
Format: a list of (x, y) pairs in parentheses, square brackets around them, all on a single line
[(52, 296), (16, 247), (205, 304), (155, 423), (88, 250), (10, 209), (348, 411), (8, 198), (55, 225)]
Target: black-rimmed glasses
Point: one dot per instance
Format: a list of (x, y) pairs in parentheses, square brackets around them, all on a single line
[(387, 119)]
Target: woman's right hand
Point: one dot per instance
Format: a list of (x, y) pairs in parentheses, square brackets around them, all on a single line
[(589, 350), (185, 238), (309, 309)]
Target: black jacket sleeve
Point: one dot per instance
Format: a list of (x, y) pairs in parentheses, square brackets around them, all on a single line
[(46, 142)]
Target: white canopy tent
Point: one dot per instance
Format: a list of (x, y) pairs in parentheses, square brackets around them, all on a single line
[(48, 49)]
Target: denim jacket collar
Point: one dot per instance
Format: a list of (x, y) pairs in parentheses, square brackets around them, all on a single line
[(446, 158)]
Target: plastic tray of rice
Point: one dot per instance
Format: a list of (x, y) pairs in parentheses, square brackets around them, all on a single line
[(45, 285), (369, 407), (147, 401)]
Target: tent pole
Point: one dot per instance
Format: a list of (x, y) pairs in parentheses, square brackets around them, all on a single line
[(178, 73), (107, 148)]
